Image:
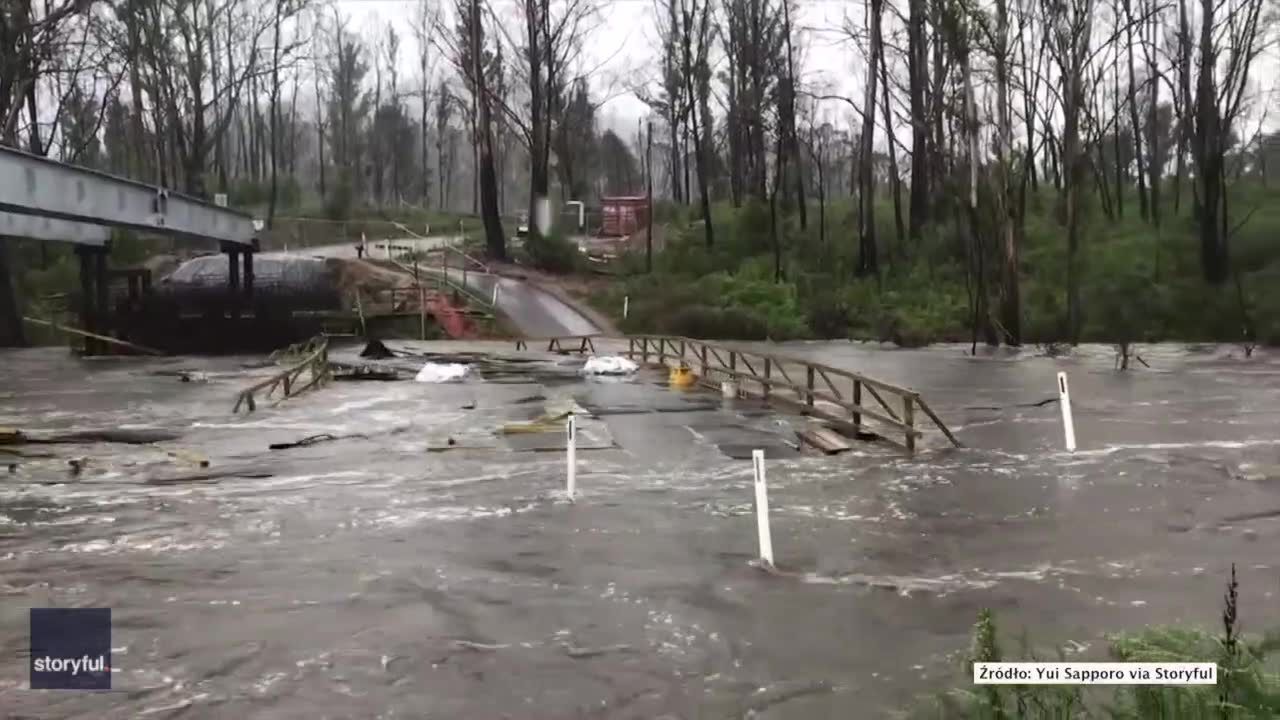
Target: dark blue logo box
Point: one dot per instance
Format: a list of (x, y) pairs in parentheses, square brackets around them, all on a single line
[(70, 648)]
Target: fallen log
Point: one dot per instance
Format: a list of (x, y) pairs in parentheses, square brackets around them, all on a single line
[(207, 477), (365, 373), (10, 436), (309, 440), (376, 350), (1040, 403), (95, 336)]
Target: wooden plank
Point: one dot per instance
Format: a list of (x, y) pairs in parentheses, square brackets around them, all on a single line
[(909, 416), (834, 390), (880, 400), (837, 421), (782, 370), (827, 441), (937, 421)]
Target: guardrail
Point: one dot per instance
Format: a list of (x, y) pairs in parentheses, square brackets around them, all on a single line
[(770, 373), (441, 273), (315, 357)]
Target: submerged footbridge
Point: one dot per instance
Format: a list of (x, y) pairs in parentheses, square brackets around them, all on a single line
[(844, 399), (43, 199)]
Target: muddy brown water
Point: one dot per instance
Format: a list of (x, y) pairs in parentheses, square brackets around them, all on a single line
[(391, 574)]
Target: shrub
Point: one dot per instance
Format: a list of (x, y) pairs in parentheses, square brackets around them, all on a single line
[(1247, 687), (552, 253), (701, 321)]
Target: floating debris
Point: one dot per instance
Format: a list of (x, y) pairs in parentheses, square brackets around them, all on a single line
[(609, 365), (376, 350), (442, 373)]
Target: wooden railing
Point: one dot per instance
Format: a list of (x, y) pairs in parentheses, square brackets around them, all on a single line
[(450, 259), (851, 398), (312, 356)]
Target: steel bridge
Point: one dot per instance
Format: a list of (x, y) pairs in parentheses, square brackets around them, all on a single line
[(52, 201)]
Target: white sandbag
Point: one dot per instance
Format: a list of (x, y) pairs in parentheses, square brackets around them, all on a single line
[(609, 365), (442, 372)]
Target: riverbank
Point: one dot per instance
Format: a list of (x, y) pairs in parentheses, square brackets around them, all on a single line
[(1137, 282)]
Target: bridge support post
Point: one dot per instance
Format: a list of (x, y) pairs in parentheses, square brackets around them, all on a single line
[(909, 419), (93, 294), (248, 274), (857, 402), (233, 277), (86, 296)]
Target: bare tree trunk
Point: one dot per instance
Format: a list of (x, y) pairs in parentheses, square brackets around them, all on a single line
[(867, 261), (697, 27), (1133, 114), (1011, 307), (1209, 156), (775, 237), (495, 240), (275, 119), (648, 181), (1121, 171), (917, 80), (1184, 86), (1153, 141), (895, 181)]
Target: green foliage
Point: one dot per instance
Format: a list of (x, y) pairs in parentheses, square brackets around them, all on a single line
[(1137, 283), (719, 306), (1248, 685)]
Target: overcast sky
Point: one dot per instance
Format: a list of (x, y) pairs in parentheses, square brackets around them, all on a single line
[(622, 52), (623, 49)]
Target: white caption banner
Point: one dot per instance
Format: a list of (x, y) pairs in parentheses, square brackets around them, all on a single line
[(1094, 673)]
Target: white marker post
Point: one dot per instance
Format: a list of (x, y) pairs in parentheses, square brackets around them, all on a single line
[(626, 305), (762, 508), (572, 456), (494, 302), (1068, 426)]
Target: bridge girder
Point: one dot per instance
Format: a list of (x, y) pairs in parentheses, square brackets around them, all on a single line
[(44, 228), (31, 185)]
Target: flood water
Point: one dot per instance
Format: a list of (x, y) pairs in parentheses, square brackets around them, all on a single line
[(425, 565)]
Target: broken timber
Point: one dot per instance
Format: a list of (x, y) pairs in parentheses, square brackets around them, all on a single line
[(846, 397), (828, 441), (315, 358)]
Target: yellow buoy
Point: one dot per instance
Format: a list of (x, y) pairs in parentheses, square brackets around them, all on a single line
[(682, 377)]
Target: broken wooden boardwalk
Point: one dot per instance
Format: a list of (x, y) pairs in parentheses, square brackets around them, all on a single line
[(314, 356), (840, 397)]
